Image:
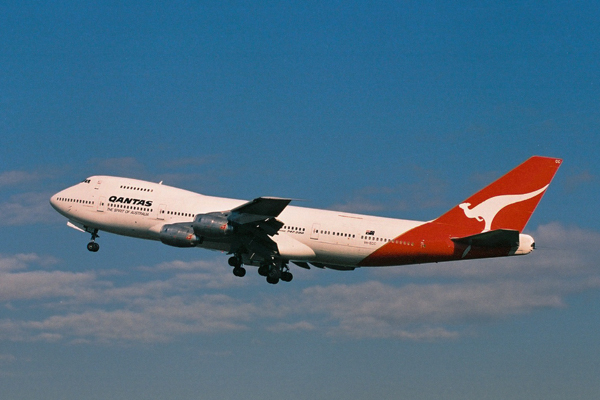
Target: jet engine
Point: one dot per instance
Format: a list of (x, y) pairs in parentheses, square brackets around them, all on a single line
[(212, 225), (179, 235)]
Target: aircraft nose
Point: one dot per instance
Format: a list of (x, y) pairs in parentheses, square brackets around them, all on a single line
[(54, 201)]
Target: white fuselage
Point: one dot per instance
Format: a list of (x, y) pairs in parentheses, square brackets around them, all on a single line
[(268, 233), (140, 209)]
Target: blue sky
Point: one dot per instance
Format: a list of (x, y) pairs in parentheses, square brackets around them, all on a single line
[(399, 109)]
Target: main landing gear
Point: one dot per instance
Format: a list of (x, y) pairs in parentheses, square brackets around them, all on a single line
[(236, 263), (274, 272), (93, 246)]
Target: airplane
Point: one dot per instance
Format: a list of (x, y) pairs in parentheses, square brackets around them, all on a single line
[(268, 233)]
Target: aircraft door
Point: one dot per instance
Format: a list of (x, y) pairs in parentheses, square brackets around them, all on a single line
[(101, 203), (314, 234), (161, 211)]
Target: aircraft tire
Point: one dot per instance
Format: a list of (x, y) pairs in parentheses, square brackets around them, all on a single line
[(287, 276), (272, 281), (263, 270), (234, 262)]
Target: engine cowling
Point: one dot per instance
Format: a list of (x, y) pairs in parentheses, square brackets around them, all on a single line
[(212, 225), (179, 236)]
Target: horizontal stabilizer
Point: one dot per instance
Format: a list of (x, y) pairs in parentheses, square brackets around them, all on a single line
[(495, 238)]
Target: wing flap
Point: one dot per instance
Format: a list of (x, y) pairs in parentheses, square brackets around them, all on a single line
[(270, 226)]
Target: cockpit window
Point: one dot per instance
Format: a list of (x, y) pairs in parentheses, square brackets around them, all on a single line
[(86, 181)]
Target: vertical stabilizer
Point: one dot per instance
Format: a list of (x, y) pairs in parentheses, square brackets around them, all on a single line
[(487, 224), (508, 202)]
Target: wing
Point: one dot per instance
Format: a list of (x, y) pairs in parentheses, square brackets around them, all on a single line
[(255, 222), (261, 211)]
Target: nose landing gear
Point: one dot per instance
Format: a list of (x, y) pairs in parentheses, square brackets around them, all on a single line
[(92, 245)]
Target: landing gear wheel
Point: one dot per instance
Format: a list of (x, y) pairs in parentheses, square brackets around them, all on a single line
[(235, 262), (263, 270), (239, 271), (272, 281), (274, 273), (287, 276), (93, 247)]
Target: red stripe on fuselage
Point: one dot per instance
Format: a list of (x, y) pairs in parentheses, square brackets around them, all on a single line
[(430, 242), (510, 207)]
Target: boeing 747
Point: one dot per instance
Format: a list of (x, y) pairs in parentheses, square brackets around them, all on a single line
[(270, 234)]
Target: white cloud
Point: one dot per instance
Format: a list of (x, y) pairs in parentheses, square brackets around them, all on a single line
[(288, 327), (13, 178), (167, 300), (562, 252), (7, 358), (178, 265), (11, 330), (21, 261), (576, 180), (146, 320), (375, 309), (79, 307), (27, 208), (43, 284), (211, 274), (446, 295)]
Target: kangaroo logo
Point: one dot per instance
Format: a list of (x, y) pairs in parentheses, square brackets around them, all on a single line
[(487, 210)]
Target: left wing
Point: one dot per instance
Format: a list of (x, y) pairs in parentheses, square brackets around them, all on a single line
[(260, 213), (248, 229), (254, 223)]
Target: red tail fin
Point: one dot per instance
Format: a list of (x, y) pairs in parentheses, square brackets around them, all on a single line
[(486, 224), (506, 203)]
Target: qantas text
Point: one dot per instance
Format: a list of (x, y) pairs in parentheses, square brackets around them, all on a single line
[(127, 200)]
